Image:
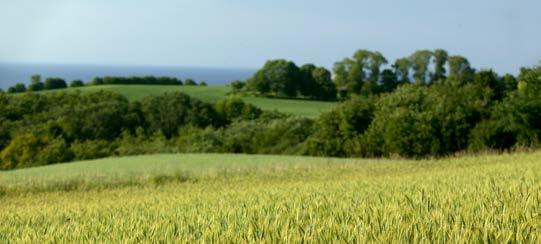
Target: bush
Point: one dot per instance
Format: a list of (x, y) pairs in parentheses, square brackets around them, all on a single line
[(92, 149), (139, 144)]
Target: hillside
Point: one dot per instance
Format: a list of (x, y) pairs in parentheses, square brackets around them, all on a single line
[(253, 198), (212, 94)]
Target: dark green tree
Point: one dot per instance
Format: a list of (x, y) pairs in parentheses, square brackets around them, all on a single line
[(440, 59), (277, 77), (419, 63), (35, 83), (17, 88), (55, 83), (460, 71), (77, 83), (389, 81), (324, 88), (402, 67), (308, 85), (190, 82)]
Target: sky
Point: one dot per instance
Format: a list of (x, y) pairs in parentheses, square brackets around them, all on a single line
[(500, 34)]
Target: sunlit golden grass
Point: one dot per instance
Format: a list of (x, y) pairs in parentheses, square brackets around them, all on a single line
[(240, 198)]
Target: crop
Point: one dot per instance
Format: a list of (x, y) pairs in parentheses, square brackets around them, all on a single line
[(241, 198)]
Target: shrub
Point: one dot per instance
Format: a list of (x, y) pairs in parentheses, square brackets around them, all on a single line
[(92, 149)]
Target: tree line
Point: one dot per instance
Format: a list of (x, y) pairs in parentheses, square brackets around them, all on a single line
[(36, 83), (365, 73)]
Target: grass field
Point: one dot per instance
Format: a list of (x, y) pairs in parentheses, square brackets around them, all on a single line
[(241, 198), (215, 93)]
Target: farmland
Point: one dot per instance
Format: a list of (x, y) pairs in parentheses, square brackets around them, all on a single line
[(252, 198)]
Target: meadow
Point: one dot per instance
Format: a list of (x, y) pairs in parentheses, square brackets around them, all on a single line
[(213, 93), (229, 198)]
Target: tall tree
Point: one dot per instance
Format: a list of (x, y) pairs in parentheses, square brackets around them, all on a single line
[(362, 59), (389, 81), (280, 77), (460, 71), (324, 87), (402, 67), (440, 58), (35, 83), (340, 70), (307, 86), (376, 61), (355, 79), (419, 61)]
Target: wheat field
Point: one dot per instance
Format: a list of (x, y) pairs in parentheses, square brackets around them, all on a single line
[(270, 199)]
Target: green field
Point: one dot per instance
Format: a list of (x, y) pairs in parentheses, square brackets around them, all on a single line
[(245, 199), (214, 93)]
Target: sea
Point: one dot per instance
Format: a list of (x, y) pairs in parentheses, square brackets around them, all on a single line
[(11, 73)]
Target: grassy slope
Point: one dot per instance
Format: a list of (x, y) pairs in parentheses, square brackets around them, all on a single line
[(242, 198), (215, 93)]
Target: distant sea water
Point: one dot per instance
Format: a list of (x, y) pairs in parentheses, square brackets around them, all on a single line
[(11, 73)]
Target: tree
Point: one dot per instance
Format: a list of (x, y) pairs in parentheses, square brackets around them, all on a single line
[(36, 84), (509, 83), (190, 82), (237, 85), (376, 61), (440, 58), (233, 108), (324, 88), (389, 81), (355, 79), (170, 112), (77, 83), (340, 70), (203, 83), (402, 67), (419, 63), (277, 77), (460, 71), (488, 79), (17, 88), (307, 87), (55, 83)]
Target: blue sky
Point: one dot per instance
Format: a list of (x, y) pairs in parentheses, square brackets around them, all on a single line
[(499, 34)]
